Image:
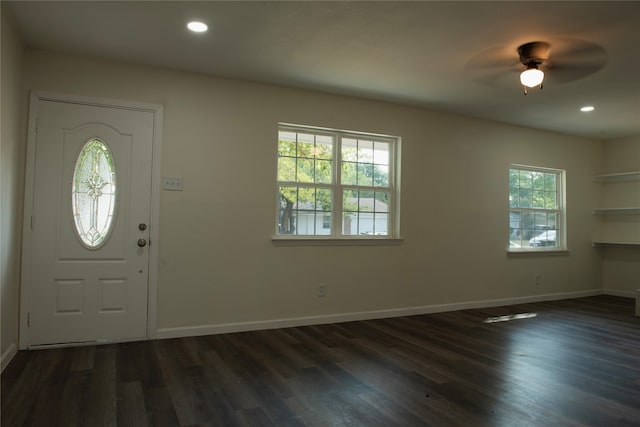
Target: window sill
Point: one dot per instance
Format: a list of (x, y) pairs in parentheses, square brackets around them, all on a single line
[(518, 252), (280, 241)]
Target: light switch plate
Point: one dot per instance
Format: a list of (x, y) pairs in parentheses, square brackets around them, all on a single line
[(172, 183)]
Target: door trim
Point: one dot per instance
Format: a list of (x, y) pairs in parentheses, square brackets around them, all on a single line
[(154, 234)]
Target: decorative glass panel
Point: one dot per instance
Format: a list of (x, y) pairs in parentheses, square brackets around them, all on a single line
[(94, 193)]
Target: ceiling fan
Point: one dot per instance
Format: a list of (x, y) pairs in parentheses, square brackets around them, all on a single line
[(559, 60), (533, 56)]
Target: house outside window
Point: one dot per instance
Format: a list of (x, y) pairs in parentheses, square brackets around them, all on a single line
[(536, 209), (336, 184)]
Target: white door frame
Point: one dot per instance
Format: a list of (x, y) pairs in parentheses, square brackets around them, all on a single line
[(154, 236)]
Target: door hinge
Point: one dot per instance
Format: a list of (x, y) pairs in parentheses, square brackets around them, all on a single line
[(29, 320), (31, 224)]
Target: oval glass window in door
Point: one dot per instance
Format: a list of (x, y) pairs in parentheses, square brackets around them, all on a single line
[(94, 194)]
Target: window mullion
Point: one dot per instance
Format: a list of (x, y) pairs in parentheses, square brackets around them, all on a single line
[(336, 218)]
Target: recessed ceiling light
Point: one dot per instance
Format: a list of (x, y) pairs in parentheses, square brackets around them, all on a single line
[(587, 108), (197, 26)]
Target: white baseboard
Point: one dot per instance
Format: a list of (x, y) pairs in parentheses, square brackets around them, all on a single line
[(7, 356), (188, 331), (619, 293)]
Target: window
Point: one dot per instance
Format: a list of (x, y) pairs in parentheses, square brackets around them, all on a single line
[(335, 184), (536, 216)]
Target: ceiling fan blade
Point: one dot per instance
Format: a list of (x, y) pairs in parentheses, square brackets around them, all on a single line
[(496, 59), (504, 79), (565, 73), (573, 59), (563, 50)]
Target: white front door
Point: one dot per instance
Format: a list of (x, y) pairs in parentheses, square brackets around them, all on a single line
[(87, 244)]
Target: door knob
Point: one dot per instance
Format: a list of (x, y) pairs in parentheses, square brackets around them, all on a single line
[(142, 243)]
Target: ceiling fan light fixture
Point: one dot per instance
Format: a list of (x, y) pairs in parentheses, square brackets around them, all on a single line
[(531, 77)]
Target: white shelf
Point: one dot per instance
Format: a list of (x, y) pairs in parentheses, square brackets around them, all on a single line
[(617, 211), (607, 243), (618, 177), (620, 228)]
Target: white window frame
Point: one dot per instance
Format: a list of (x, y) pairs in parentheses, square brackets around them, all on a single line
[(393, 227), (561, 231)]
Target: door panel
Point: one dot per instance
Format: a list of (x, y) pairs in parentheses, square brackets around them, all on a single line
[(76, 293)]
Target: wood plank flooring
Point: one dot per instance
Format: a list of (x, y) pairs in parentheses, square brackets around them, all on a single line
[(577, 363)]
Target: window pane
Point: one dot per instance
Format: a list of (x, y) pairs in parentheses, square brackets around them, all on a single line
[(306, 199), (305, 170), (306, 223), (286, 169), (286, 147), (544, 239), (306, 150), (538, 199), (381, 176), (381, 153), (365, 212), (526, 180), (303, 210), (382, 201), (532, 229), (524, 200), (350, 201), (551, 200), (381, 224), (349, 173), (550, 182), (324, 198), (540, 222), (349, 223), (537, 180), (287, 214), (324, 147), (306, 138), (304, 157), (323, 171), (527, 225), (365, 174), (349, 150), (366, 202), (365, 151), (514, 197)]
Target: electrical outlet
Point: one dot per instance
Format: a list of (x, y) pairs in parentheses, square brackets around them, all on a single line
[(172, 183), (322, 290), (538, 279)]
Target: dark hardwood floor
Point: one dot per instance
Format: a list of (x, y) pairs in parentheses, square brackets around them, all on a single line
[(576, 363)]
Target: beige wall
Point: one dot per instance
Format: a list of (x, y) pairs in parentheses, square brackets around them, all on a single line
[(12, 171), (217, 262), (621, 265)]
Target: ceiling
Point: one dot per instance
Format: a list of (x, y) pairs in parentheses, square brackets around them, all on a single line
[(457, 57)]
